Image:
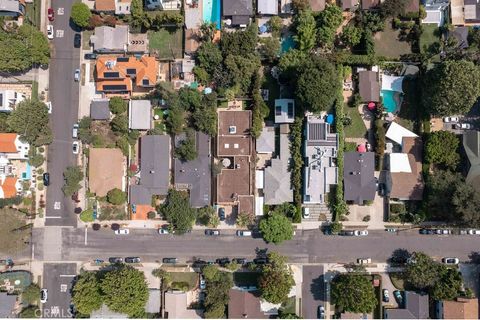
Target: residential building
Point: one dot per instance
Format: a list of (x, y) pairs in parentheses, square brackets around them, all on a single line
[(286, 7), (471, 144), (320, 151), (267, 7), (12, 8), (369, 86), (196, 175), (154, 176), (176, 306), (140, 115), (415, 307), (396, 133), (126, 75), (350, 5), (9, 99), (465, 12), (460, 308), (317, 5), (118, 39), (234, 150), (266, 141), (122, 7), (9, 187), (436, 11), (277, 187), (104, 6), (163, 4), (358, 177), (238, 12), (243, 304), (461, 35), (8, 303), (413, 7), (153, 304), (12, 147), (284, 110), (99, 109), (106, 170), (370, 4)]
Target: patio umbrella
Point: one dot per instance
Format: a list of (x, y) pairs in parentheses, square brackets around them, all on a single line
[(262, 28), (361, 148), (371, 106), (329, 118)]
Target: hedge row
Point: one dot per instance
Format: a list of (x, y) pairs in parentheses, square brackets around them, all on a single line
[(296, 151)]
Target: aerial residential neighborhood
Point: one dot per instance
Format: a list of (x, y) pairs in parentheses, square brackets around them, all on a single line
[(188, 159)]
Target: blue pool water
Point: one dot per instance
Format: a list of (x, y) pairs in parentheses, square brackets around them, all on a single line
[(389, 100), (211, 11), (27, 175), (287, 44)]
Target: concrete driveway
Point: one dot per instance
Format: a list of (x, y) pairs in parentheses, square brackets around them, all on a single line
[(387, 284)]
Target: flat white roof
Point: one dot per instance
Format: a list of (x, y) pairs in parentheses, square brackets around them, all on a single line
[(259, 179), (259, 206), (399, 163), (396, 133)]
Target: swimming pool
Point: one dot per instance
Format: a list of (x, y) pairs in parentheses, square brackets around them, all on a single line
[(211, 12), (287, 44), (392, 100), (27, 175)]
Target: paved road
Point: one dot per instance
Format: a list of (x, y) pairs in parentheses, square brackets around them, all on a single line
[(64, 94), (57, 279), (307, 246), (313, 291)]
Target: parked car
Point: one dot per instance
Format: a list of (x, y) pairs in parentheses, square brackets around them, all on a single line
[(43, 295), (321, 312), (163, 231), (462, 126), (49, 107), (462, 232), (75, 147), (392, 230), (222, 261), (90, 56), (50, 32), (450, 261), (398, 296), (115, 260), (360, 233), (364, 260), (443, 231), (348, 233), (240, 261), (51, 14), (76, 75), (212, 232), (260, 261), (199, 263), (46, 179), (77, 40), (132, 260), (474, 232), (426, 231), (169, 260), (386, 296), (244, 233), (203, 283), (122, 231), (450, 119), (381, 189), (75, 131), (221, 214)]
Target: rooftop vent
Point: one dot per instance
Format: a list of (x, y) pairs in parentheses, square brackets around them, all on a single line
[(232, 129)]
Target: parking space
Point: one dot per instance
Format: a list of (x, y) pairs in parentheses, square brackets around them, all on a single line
[(313, 291), (58, 279), (387, 284)]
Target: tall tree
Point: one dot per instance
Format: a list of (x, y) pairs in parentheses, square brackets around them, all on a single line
[(422, 271), (306, 31), (86, 294), (30, 121), (80, 14), (328, 21), (353, 293), (442, 149), (276, 228), (31, 294), (394, 8), (117, 105), (351, 35), (178, 212), (448, 88), (276, 280), (72, 176)]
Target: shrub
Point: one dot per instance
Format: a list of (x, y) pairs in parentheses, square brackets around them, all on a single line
[(183, 286), (366, 218), (116, 196), (80, 14), (151, 215), (87, 215), (36, 160), (397, 208)]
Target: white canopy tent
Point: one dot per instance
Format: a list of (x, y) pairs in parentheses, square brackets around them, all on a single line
[(396, 133)]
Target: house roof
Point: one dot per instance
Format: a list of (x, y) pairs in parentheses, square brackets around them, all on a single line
[(461, 34), (416, 307), (369, 86), (244, 304), (369, 4), (358, 176), (9, 187), (269, 7), (409, 185), (413, 6), (153, 304), (349, 4), (140, 114), (234, 133), (7, 305), (176, 306), (104, 5), (7, 142), (278, 187), (237, 8), (396, 133), (284, 110), (110, 39), (99, 109), (10, 6), (106, 170), (154, 169), (471, 144), (317, 5), (462, 308), (235, 181), (266, 140), (246, 204)]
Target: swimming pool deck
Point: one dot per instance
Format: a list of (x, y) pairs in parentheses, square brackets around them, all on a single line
[(193, 16)]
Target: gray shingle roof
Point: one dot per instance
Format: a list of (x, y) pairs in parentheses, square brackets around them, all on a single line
[(278, 188), (358, 176), (140, 115), (99, 109), (416, 307), (237, 8), (267, 7), (369, 86), (266, 141), (108, 39), (7, 304)]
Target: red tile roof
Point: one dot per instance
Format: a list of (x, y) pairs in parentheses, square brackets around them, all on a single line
[(7, 142)]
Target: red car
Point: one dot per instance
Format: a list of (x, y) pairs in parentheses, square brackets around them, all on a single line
[(51, 14)]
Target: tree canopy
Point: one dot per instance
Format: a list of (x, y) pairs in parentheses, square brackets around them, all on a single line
[(72, 176), (276, 228), (328, 21), (306, 30), (116, 196), (353, 292), (80, 14), (178, 212), (394, 8), (86, 293), (448, 88), (186, 149), (218, 286), (30, 121), (351, 35), (441, 149), (31, 294), (276, 279), (117, 105)]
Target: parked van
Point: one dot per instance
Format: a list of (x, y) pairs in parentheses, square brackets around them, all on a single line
[(244, 233)]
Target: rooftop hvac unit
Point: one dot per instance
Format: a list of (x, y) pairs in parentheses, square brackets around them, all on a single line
[(232, 129)]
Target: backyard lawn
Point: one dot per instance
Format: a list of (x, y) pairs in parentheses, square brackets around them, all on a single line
[(429, 36), (167, 43), (273, 88), (357, 128), (187, 277), (388, 45)]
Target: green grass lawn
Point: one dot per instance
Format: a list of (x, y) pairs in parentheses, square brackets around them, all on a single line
[(388, 45), (168, 43), (273, 93), (86, 39), (288, 307), (429, 36), (34, 90), (357, 128), (245, 279), (189, 277)]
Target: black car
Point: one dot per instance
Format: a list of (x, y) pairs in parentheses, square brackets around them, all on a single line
[(221, 214), (347, 233), (77, 40), (212, 232), (240, 261), (90, 56), (169, 260), (222, 261), (132, 260), (115, 260), (46, 179), (199, 263), (260, 261)]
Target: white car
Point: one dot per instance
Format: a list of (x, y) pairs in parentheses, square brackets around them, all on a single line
[(163, 231), (360, 233), (464, 126), (450, 119), (75, 147), (49, 106), (450, 261), (43, 295), (203, 283), (364, 260), (50, 32), (442, 231), (76, 75), (473, 232), (75, 131), (122, 231)]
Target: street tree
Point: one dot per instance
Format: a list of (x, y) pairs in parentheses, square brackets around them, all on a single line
[(328, 21), (80, 14), (30, 312), (245, 219), (116, 196), (84, 130), (86, 293), (448, 87), (178, 212), (442, 149), (306, 30), (394, 8), (448, 285), (422, 272), (276, 228), (15, 233), (30, 121), (125, 290), (351, 35), (353, 292), (31, 294), (73, 176), (276, 279), (117, 105), (211, 272)]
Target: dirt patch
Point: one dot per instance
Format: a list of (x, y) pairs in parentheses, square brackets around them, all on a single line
[(102, 129), (111, 212)]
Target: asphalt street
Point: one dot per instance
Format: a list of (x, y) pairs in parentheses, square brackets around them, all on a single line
[(64, 95), (58, 279), (306, 247), (313, 291)]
